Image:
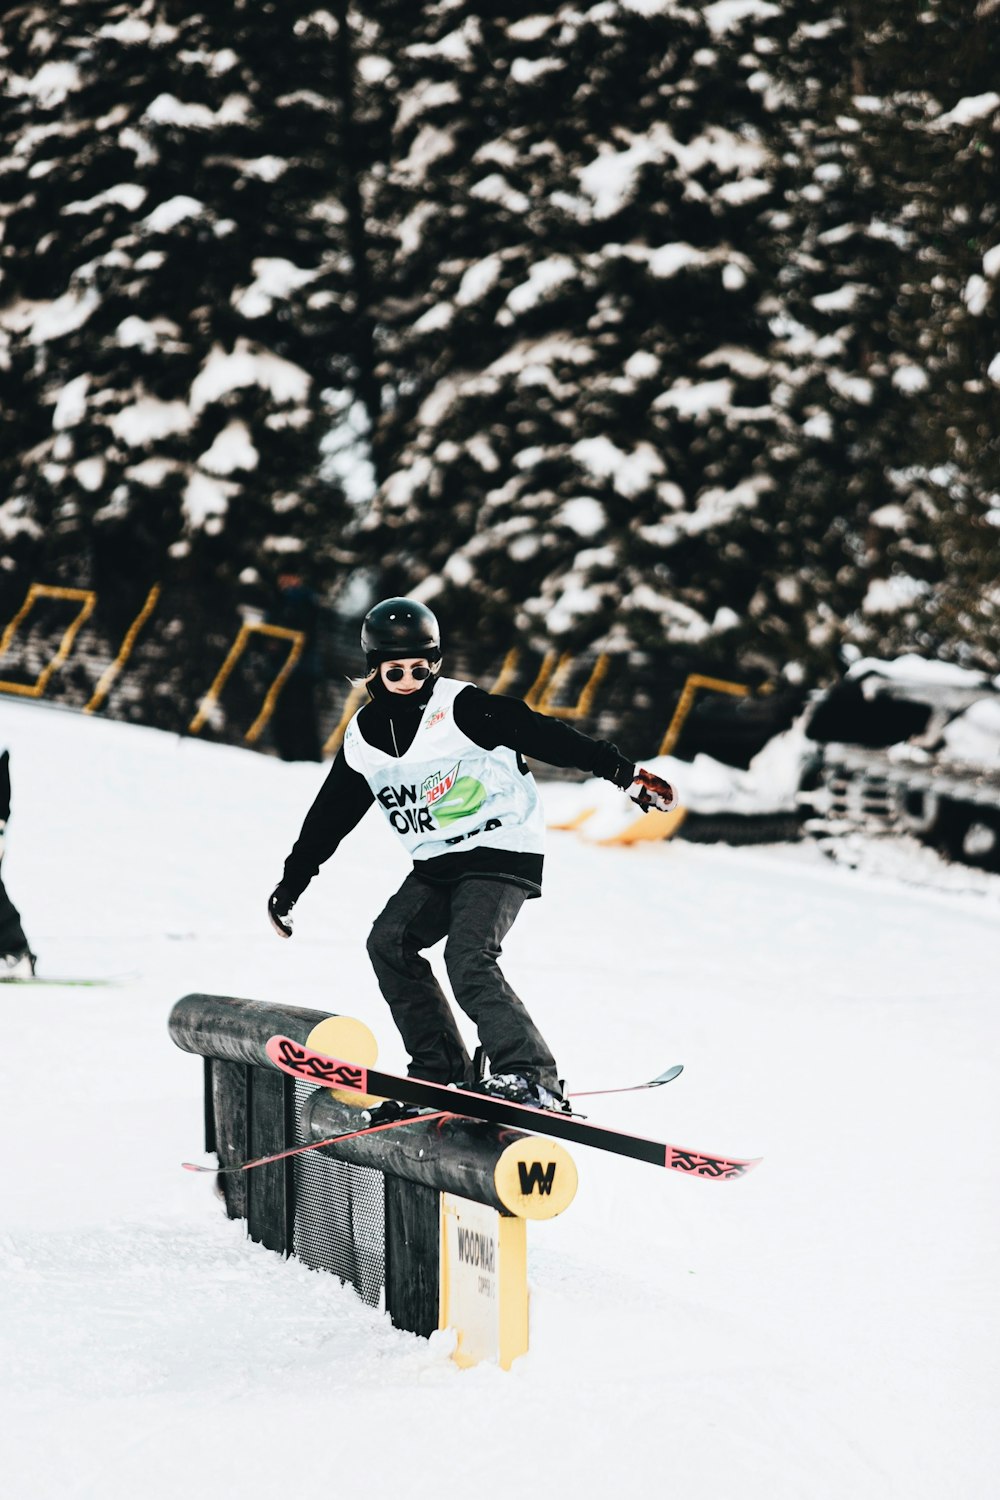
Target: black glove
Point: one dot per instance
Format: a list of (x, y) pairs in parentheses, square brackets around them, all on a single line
[(279, 909), (649, 791)]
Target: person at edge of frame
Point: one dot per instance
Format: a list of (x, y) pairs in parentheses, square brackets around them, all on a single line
[(295, 722), (16, 958), (444, 760)]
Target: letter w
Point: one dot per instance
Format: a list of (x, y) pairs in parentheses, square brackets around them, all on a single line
[(536, 1176)]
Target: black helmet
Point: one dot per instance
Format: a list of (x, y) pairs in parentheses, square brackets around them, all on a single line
[(399, 628)]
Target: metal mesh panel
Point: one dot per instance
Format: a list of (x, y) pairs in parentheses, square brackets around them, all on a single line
[(339, 1216)]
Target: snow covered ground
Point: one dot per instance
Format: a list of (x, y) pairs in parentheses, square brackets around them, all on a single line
[(825, 1328)]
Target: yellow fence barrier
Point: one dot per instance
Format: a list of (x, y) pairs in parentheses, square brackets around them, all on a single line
[(355, 698), (277, 632), (86, 598), (655, 825), (685, 703), (550, 679), (108, 677)]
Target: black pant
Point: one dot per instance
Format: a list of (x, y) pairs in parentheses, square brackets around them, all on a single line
[(476, 915), (12, 938)]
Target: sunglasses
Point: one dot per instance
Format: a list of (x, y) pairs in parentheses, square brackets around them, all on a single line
[(396, 674)]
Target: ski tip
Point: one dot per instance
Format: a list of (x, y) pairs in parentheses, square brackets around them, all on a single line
[(192, 1166), (667, 1076), (61, 982)]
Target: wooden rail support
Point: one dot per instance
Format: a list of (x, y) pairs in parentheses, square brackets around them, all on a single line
[(429, 1215)]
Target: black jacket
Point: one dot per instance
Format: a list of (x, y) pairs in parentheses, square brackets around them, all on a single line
[(389, 723)]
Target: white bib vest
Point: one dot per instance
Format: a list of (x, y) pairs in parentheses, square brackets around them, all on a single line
[(446, 793)]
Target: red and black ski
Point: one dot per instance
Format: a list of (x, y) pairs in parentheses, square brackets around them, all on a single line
[(330, 1140), (335, 1073)]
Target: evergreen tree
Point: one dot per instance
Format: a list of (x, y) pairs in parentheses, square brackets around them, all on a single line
[(178, 303), (935, 551), (874, 251), (672, 326), (677, 319), (834, 266), (573, 345)]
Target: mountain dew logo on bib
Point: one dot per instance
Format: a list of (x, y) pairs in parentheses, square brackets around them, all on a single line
[(451, 796)]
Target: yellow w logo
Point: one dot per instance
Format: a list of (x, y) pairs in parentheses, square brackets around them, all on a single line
[(536, 1175)]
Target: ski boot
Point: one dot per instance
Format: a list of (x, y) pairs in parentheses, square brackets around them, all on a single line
[(521, 1090), (392, 1112)]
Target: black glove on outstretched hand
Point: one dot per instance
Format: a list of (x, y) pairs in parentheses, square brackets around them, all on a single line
[(649, 791), (279, 909)]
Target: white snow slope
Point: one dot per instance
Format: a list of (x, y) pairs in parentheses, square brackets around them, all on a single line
[(823, 1328)]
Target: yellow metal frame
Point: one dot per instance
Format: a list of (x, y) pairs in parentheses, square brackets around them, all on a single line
[(582, 707), (551, 675), (277, 632), (508, 671), (86, 598), (108, 677), (550, 678), (686, 702), (355, 698), (540, 687)]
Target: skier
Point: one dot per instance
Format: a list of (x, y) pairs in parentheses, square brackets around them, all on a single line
[(16, 959), (444, 761)]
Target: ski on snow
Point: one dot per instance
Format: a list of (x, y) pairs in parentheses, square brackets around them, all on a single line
[(63, 981), (330, 1140), (332, 1072)]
